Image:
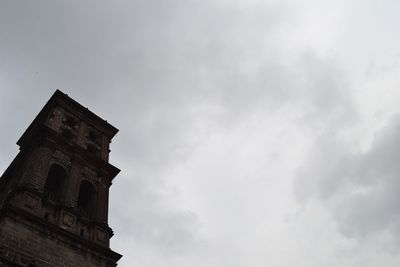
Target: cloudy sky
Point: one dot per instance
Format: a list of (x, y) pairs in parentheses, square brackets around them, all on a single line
[(252, 133)]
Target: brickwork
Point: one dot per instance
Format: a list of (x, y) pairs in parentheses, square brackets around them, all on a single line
[(24, 244)]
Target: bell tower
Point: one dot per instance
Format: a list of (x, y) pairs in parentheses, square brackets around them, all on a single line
[(54, 195)]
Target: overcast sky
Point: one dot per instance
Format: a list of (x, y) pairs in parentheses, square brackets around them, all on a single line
[(252, 133)]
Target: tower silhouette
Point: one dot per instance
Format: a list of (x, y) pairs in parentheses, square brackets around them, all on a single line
[(54, 195)]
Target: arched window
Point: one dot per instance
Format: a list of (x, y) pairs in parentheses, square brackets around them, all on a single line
[(86, 199), (55, 182)]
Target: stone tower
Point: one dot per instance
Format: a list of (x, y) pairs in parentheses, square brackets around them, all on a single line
[(54, 195)]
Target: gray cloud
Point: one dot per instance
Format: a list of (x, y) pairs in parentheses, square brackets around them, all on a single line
[(171, 74), (361, 188)]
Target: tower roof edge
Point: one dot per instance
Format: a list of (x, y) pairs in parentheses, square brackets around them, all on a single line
[(61, 99)]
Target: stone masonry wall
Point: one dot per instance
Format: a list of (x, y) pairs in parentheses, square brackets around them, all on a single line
[(24, 245)]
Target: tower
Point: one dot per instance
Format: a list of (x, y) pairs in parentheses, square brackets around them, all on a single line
[(54, 194)]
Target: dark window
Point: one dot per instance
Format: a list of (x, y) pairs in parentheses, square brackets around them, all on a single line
[(55, 182), (86, 199)]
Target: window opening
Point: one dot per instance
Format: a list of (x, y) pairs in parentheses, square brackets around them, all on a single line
[(86, 199), (55, 182)]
